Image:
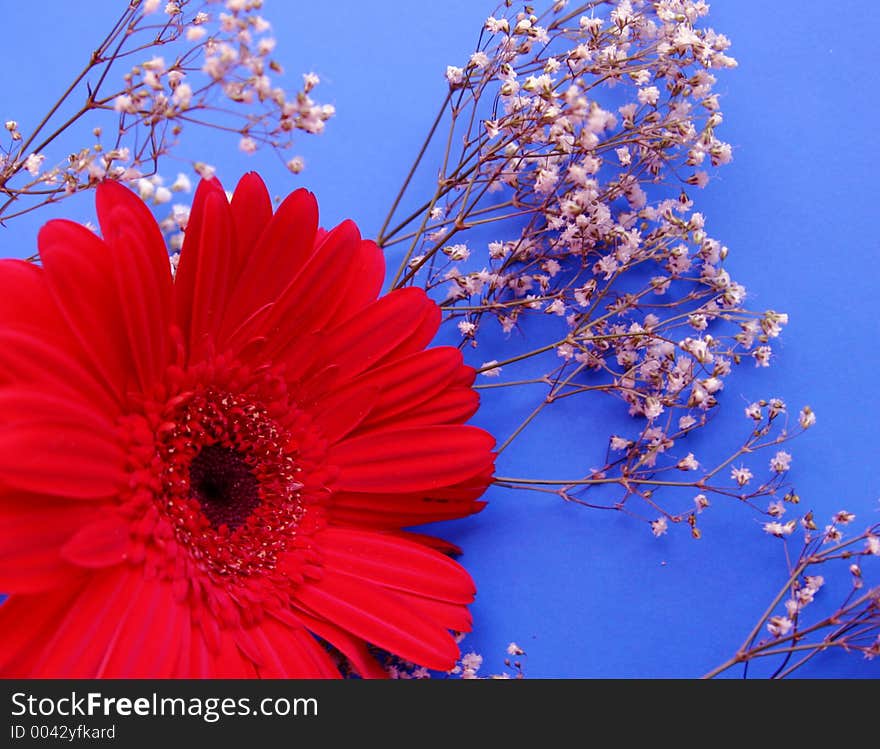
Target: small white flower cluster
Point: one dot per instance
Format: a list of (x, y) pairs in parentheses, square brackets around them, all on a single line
[(647, 313), (467, 667), (200, 64), (797, 630)]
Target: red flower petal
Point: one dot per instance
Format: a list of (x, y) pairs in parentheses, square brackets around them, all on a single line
[(393, 511), (79, 273), (360, 282), (340, 277), (204, 279), (396, 511), (403, 384), (150, 614), (411, 459), (395, 563), (28, 358), (339, 414), (228, 661), (251, 213), (101, 543), (28, 623), (33, 530), (450, 615), (25, 300), (49, 445), (452, 406), (444, 547), (36, 346), (143, 276), (291, 653), (106, 631), (283, 349), (379, 617), (284, 246), (76, 644), (358, 270), (398, 324), (353, 648)]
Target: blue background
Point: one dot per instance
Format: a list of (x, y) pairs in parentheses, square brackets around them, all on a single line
[(587, 593)]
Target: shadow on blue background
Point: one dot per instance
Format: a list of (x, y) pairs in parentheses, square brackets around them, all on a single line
[(586, 593)]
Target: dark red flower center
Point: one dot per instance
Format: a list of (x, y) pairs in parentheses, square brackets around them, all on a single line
[(224, 485), (227, 488), (230, 478)]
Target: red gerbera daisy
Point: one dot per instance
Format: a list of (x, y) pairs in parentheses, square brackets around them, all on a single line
[(209, 476)]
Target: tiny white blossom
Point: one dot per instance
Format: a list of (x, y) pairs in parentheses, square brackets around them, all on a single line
[(780, 530), (182, 95), (205, 171), (296, 164), (466, 328), (688, 463), (145, 188), (741, 475), (659, 527), (479, 60), (162, 195), (247, 144), (495, 25), (265, 46), (457, 251), (180, 215), (779, 626), (590, 24), (33, 163), (761, 356), (649, 95), (856, 572), (310, 80), (565, 351), (807, 417), (156, 64), (470, 664), (556, 307), (780, 462), (551, 266), (181, 184), (686, 422), (619, 443), (652, 408), (454, 75), (124, 103)]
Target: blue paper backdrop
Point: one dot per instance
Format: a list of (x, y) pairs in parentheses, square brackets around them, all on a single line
[(590, 594)]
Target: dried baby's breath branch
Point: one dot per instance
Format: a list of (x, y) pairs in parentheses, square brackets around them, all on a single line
[(158, 71), (562, 214), (794, 632)]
